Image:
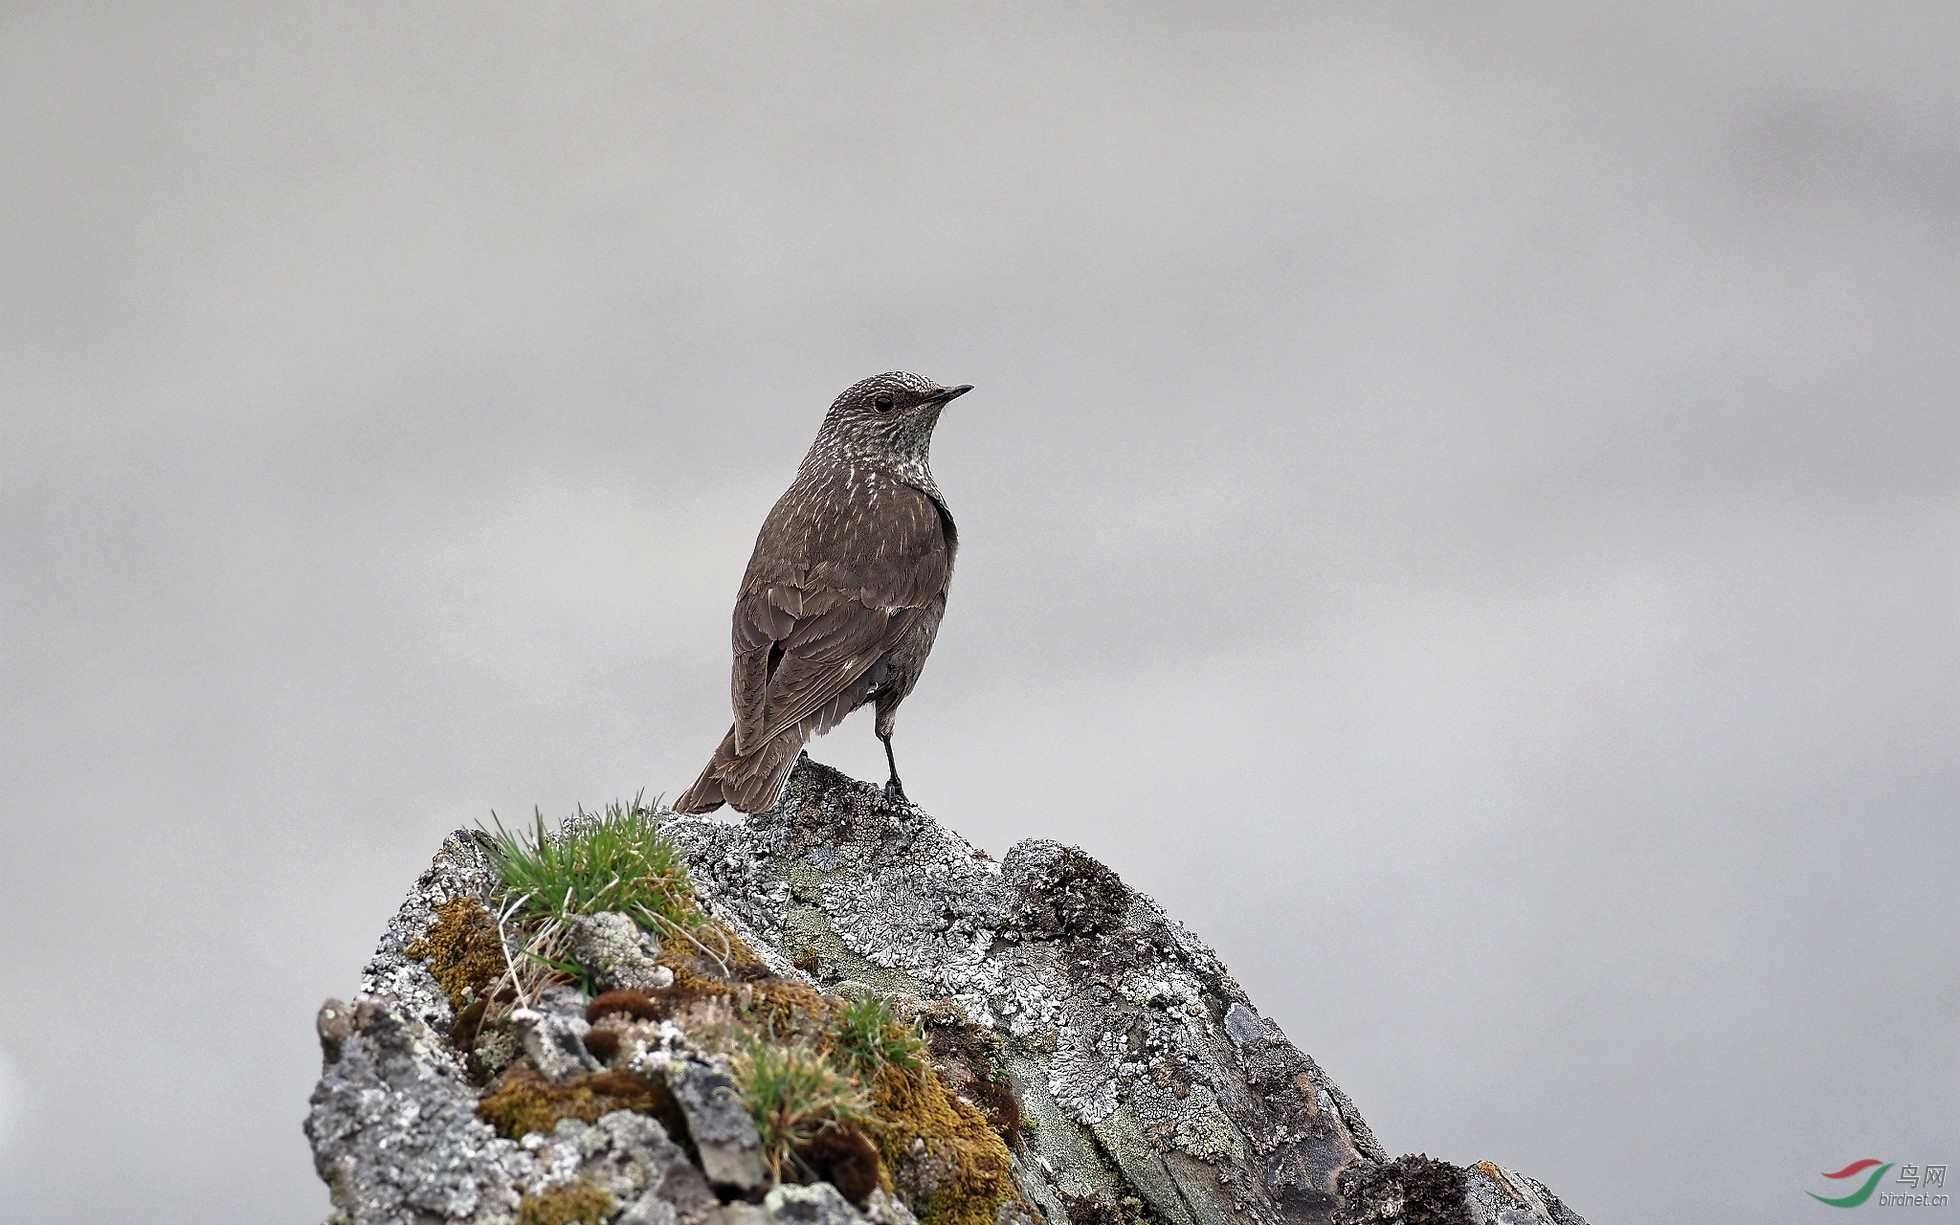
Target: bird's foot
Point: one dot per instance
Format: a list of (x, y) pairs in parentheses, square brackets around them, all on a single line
[(895, 791)]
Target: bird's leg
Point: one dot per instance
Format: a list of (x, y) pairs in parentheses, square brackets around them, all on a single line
[(894, 790)]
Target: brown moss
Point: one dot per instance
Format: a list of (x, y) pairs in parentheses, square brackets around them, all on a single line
[(635, 1004), (844, 1158), (603, 1043), (620, 1083), (995, 1097), (463, 949), (524, 1101), (689, 971), (564, 1204), (945, 1160), (743, 964)]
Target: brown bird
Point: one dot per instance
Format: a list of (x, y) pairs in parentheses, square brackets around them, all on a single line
[(844, 592)]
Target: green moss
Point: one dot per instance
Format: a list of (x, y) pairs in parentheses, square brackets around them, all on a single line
[(464, 951), (564, 1204), (720, 961), (786, 1006), (524, 1101), (946, 1162)]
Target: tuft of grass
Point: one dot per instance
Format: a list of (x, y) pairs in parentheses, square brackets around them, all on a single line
[(870, 1036), (613, 860), (793, 1093)]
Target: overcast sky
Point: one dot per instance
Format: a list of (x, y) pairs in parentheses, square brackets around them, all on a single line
[(1461, 503)]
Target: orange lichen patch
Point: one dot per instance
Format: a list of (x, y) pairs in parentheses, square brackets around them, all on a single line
[(945, 1160), (463, 949), (524, 1101), (577, 1202)]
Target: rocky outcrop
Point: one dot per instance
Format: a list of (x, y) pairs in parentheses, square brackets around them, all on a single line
[(1125, 1075)]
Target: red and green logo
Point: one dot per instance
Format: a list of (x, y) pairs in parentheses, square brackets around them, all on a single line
[(1862, 1193)]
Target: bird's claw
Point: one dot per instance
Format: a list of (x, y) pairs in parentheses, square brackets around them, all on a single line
[(895, 792)]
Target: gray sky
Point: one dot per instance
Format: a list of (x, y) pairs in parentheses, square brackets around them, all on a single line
[(1461, 503)]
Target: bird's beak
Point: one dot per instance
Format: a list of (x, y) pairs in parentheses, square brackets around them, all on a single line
[(946, 394)]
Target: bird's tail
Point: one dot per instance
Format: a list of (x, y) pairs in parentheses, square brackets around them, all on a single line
[(752, 782)]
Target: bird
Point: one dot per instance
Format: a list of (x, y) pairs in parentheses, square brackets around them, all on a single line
[(843, 595)]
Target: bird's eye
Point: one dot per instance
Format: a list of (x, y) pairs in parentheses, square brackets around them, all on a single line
[(883, 402)]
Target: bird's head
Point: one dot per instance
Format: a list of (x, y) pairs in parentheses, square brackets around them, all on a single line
[(889, 415)]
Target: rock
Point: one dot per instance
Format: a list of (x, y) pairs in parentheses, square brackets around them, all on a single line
[(394, 1128), (396, 1138), (624, 1154), (719, 1124), (882, 1209), (1145, 1081), (1498, 1196), (562, 1000), (1127, 1075), (649, 1209), (819, 1204), (1422, 1189), (1113, 1017), (555, 1042), (618, 952), (682, 1197)]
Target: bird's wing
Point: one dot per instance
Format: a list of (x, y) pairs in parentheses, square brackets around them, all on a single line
[(827, 641), (808, 625)]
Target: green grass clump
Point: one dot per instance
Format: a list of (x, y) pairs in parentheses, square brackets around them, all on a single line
[(793, 1093), (617, 860), (869, 1034)]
